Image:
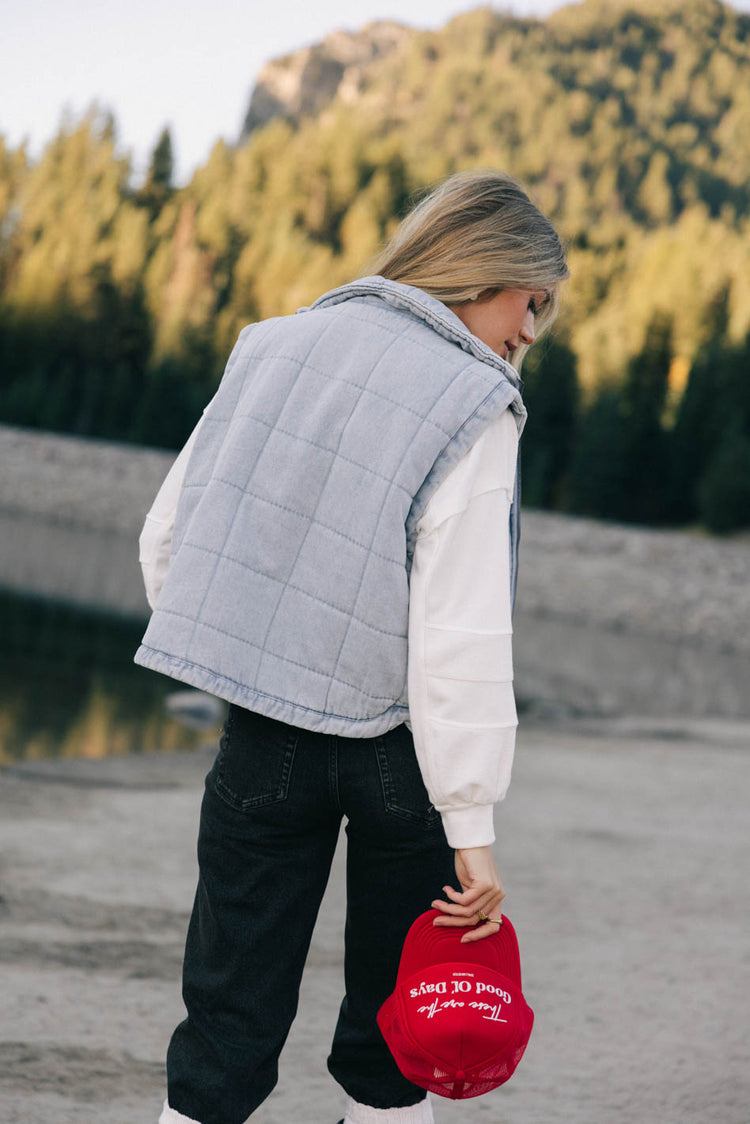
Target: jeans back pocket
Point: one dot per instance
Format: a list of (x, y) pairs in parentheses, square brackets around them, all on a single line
[(254, 764), (404, 792)]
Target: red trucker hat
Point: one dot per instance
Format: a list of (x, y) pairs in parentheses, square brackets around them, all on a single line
[(457, 1023)]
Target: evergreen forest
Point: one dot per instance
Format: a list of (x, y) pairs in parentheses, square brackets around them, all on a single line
[(628, 122)]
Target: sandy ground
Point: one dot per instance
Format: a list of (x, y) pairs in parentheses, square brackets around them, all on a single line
[(625, 855)]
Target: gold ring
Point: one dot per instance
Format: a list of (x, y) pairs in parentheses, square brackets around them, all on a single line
[(482, 915), (495, 920)]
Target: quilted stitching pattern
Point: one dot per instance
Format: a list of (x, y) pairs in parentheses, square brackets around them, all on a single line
[(294, 601)]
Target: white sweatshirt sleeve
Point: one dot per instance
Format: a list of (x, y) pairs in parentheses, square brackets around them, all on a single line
[(461, 702), (155, 541)]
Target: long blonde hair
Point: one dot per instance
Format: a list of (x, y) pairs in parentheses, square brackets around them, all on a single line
[(477, 233)]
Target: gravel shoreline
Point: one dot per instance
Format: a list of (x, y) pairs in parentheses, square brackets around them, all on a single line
[(673, 584), (610, 619)]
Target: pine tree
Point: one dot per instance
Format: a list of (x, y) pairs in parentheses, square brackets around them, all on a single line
[(698, 424), (158, 187), (724, 492), (550, 393), (644, 395), (598, 472), (162, 166)]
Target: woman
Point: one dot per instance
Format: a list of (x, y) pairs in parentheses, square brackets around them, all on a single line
[(346, 501)]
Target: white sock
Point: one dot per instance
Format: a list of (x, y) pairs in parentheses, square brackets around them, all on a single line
[(172, 1116), (357, 1113)]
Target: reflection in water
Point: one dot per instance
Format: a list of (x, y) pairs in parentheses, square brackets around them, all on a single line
[(69, 687)]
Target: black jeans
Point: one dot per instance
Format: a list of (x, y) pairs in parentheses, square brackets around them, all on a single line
[(270, 819)]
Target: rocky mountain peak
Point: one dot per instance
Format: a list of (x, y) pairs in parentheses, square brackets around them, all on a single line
[(304, 82)]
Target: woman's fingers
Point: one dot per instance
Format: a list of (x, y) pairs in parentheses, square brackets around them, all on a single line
[(468, 914), (486, 903), (466, 897), (454, 922), (463, 908), (479, 899), (488, 929)]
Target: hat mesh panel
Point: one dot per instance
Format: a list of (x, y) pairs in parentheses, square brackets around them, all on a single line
[(419, 1069)]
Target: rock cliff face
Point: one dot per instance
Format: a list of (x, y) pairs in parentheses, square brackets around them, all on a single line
[(305, 82)]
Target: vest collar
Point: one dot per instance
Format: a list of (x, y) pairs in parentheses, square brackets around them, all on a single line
[(424, 307)]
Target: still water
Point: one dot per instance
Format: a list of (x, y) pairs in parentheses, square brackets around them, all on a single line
[(69, 687)]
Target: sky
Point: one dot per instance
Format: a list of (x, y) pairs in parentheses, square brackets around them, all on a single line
[(189, 64)]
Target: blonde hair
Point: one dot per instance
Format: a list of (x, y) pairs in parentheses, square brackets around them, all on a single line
[(473, 235)]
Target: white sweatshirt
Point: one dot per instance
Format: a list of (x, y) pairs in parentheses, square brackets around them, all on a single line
[(461, 704)]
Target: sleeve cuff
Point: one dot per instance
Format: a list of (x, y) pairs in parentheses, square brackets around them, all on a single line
[(470, 826)]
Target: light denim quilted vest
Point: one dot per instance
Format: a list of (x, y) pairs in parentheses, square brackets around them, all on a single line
[(288, 587)]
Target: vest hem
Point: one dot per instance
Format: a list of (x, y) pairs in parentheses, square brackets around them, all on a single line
[(269, 705)]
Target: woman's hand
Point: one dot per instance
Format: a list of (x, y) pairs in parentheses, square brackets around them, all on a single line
[(482, 890)]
